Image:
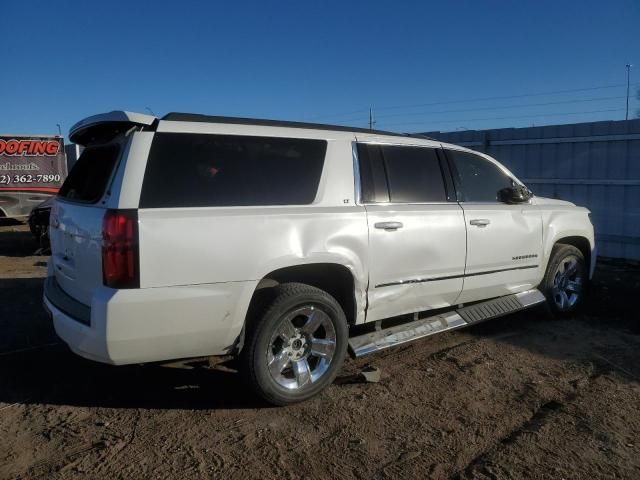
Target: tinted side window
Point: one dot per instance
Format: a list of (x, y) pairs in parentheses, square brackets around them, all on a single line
[(199, 170), (88, 178), (414, 175), (479, 180)]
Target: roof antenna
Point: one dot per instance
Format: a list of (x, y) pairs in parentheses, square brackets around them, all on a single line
[(150, 111)]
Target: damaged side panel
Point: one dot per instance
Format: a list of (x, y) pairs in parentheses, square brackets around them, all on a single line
[(268, 240)]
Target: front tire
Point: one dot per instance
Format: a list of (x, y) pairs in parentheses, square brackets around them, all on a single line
[(565, 281), (297, 346)]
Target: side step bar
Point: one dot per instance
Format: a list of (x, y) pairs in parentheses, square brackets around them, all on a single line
[(399, 334)]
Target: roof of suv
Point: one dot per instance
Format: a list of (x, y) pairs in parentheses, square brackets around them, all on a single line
[(196, 117), (91, 127)]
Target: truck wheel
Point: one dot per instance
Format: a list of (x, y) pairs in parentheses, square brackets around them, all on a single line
[(565, 282), (35, 230), (296, 347)]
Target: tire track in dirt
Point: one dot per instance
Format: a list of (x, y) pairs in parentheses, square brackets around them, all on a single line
[(464, 358), (60, 462), (477, 467)]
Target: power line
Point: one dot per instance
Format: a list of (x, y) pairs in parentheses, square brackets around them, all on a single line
[(596, 99), (502, 97), (509, 96), (501, 107), (501, 118)]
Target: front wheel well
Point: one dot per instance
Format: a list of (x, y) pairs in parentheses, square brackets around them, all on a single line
[(581, 243)]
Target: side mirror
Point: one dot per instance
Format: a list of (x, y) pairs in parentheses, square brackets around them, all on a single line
[(515, 194)]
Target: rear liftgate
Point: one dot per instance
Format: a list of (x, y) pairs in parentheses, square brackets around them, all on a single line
[(478, 312)]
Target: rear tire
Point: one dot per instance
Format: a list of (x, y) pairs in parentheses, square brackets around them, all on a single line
[(565, 281), (295, 348)]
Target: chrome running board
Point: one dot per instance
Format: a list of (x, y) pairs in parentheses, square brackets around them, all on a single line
[(407, 332)]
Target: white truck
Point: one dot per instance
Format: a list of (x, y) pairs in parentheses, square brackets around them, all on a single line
[(289, 244)]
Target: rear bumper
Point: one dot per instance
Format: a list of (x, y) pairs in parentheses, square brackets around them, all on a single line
[(152, 324)]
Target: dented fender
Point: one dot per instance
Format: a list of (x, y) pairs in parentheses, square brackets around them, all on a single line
[(561, 219)]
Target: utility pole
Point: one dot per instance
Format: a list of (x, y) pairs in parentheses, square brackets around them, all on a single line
[(628, 66), (371, 122)]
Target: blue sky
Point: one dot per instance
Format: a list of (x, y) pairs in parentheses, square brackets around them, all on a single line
[(420, 65)]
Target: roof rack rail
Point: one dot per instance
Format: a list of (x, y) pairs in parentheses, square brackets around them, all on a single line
[(196, 117), (418, 135)]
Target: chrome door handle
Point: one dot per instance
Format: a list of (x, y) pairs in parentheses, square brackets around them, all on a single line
[(480, 222), (388, 225)]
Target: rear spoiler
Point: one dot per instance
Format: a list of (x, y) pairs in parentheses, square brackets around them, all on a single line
[(108, 124)]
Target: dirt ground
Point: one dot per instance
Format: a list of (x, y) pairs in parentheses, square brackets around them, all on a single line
[(519, 397)]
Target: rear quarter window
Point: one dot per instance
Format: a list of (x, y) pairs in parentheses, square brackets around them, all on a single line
[(88, 179), (203, 170)]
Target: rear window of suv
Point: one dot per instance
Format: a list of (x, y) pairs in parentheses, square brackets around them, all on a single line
[(203, 170), (88, 178)]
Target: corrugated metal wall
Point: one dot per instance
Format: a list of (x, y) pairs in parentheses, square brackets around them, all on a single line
[(592, 164)]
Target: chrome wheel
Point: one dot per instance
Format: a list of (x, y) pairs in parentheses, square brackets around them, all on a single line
[(302, 348), (567, 283)]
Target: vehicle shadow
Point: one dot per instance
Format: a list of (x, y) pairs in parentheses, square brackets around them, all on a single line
[(36, 367), (54, 375), (18, 243), (9, 222), (23, 322)]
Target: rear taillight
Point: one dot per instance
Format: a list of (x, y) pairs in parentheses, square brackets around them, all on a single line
[(120, 263)]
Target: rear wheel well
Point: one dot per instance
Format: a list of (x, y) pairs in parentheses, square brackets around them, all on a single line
[(581, 243), (333, 278)]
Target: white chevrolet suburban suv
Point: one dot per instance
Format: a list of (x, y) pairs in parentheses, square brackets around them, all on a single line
[(288, 244)]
